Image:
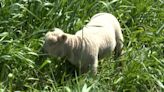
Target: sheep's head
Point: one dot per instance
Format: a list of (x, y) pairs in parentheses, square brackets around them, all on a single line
[(54, 43)]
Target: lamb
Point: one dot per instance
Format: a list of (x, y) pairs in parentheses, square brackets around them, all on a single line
[(99, 38)]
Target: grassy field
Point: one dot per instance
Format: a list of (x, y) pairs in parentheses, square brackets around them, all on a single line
[(23, 67)]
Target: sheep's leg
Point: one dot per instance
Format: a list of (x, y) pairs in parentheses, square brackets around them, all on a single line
[(94, 66)]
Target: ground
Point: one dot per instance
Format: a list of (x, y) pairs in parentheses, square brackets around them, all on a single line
[(23, 67)]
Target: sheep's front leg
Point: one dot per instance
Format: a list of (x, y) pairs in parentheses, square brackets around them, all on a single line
[(94, 66)]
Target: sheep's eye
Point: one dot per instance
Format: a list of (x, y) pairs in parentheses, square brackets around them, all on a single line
[(51, 42)]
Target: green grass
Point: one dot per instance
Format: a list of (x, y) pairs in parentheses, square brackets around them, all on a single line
[(23, 24)]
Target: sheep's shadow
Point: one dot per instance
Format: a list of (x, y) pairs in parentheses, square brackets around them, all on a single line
[(64, 70), (59, 70)]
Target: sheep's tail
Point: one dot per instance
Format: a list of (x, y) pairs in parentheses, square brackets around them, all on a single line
[(119, 41)]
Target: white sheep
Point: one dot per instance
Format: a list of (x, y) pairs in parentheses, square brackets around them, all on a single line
[(99, 38)]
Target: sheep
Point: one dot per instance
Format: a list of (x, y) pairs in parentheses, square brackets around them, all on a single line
[(99, 38)]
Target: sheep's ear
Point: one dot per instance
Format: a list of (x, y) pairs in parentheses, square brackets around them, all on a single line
[(63, 37)]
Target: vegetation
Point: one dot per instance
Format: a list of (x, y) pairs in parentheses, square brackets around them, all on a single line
[(23, 67)]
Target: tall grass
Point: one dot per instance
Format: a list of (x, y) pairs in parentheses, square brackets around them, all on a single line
[(23, 24)]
